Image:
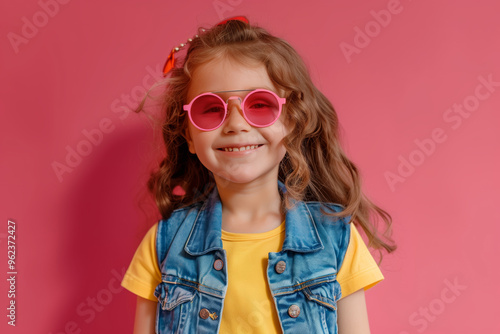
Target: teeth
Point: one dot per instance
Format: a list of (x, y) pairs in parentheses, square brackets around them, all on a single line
[(239, 149)]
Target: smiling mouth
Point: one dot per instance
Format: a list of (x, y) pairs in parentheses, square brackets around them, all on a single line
[(239, 149)]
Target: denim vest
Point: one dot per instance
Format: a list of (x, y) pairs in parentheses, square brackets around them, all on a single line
[(302, 276)]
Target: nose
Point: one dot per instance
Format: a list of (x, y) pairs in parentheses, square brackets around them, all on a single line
[(235, 122)]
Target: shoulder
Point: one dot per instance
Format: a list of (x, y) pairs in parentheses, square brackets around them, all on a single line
[(333, 227), (328, 217), (168, 228), (324, 211), (359, 269), (178, 217)]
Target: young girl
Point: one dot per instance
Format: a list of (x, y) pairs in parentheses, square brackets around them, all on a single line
[(259, 202)]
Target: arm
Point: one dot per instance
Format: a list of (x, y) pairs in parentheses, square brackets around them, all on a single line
[(352, 317), (145, 316)]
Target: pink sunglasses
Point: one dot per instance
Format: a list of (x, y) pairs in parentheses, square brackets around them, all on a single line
[(261, 108)]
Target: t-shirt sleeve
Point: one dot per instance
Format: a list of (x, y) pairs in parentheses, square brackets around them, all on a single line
[(359, 269), (143, 274)]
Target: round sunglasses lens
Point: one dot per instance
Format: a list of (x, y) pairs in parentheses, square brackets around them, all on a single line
[(261, 108), (207, 112)]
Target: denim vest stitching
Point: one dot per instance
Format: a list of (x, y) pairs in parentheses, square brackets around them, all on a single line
[(305, 284), (310, 234)]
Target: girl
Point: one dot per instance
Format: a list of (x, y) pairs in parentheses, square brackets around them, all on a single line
[(259, 202)]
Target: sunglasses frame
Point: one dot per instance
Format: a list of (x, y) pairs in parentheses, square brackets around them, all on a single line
[(280, 100)]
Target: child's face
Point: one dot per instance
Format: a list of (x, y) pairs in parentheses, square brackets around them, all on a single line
[(260, 162)]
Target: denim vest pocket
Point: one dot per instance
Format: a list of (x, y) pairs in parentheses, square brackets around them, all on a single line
[(175, 304), (322, 294), (170, 295), (316, 299)]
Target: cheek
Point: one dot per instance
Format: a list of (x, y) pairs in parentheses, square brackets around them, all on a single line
[(192, 137), (276, 133), (201, 142)]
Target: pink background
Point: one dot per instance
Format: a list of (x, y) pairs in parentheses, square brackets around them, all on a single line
[(73, 72)]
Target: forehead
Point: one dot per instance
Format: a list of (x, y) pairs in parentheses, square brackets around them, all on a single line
[(226, 74)]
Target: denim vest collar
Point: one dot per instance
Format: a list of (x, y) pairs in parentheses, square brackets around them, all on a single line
[(301, 234)]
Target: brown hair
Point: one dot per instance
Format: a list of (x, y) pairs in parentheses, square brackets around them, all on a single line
[(315, 167)]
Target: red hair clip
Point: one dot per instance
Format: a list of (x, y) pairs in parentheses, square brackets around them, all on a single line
[(170, 63), (236, 18)]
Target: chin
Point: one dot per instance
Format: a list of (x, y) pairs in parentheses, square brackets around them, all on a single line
[(222, 181), (245, 178)]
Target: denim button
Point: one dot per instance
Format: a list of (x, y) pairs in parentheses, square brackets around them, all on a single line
[(280, 267), (204, 313), (218, 264), (294, 311)]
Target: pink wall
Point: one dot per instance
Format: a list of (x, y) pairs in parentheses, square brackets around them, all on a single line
[(397, 82)]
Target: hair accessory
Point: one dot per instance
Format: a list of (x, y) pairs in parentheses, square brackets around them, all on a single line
[(235, 18), (170, 63)]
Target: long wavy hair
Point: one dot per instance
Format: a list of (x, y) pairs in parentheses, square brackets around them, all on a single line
[(315, 167)]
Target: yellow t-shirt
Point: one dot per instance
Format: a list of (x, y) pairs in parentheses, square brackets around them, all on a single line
[(249, 306), (247, 259)]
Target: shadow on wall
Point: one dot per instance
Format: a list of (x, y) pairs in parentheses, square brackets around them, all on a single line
[(106, 216)]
